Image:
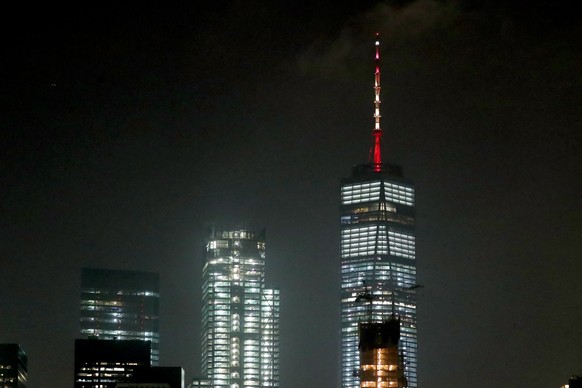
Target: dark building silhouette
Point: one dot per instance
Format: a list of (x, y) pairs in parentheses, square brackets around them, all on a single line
[(105, 363), (378, 253), (13, 366), (156, 377), (574, 382), (121, 305)]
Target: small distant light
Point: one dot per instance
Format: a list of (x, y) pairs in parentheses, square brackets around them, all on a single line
[(377, 43)]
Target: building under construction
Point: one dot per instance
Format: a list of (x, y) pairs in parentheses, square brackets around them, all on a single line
[(381, 365)]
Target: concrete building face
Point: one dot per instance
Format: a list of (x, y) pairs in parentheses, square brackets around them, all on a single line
[(240, 316), (121, 305), (13, 366)]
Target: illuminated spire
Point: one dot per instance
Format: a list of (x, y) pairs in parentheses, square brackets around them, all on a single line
[(376, 154)]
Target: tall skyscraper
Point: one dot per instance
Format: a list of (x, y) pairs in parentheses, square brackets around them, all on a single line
[(13, 366), (105, 363), (121, 305), (240, 315), (377, 253)]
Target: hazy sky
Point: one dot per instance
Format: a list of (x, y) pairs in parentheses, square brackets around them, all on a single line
[(125, 130)]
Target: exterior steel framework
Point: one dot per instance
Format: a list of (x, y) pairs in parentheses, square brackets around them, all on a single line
[(240, 316), (380, 364), (377, 259)]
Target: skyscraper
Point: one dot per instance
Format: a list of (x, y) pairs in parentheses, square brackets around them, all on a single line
[(13, 366), (121, 305), (377, 253), (240, 315)]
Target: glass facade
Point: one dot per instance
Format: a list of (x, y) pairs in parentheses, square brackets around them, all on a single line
[(240, 316), (378, 258), (121, 305)]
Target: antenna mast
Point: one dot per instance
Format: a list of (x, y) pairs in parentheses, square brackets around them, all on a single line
[(377, 131)]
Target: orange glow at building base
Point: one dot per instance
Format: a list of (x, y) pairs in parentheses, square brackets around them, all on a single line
[(380, 364)]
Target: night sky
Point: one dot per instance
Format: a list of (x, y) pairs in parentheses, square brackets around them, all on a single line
[(127, 129)]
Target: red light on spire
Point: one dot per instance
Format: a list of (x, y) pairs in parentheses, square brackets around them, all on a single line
[(376, 154)]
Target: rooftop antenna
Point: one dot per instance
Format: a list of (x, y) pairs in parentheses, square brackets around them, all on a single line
[(376, 154)]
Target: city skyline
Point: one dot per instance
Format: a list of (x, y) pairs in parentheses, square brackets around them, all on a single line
[(127, 129)]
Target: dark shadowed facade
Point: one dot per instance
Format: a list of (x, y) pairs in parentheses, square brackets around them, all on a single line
[(156, 377), (104, 363), (573, 382)]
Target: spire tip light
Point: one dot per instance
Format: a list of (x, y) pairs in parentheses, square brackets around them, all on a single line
[(377, 131)]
